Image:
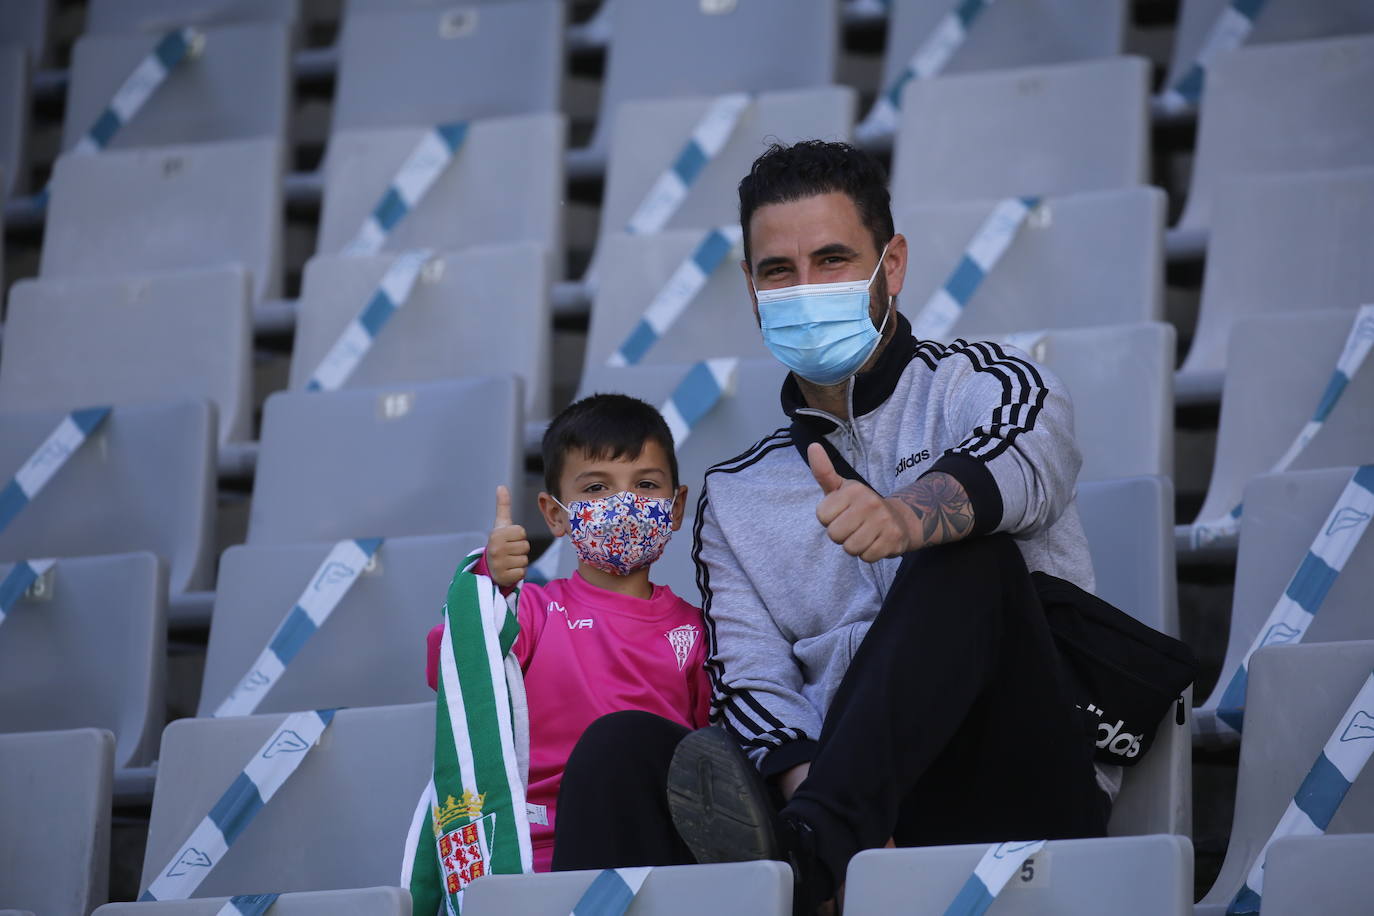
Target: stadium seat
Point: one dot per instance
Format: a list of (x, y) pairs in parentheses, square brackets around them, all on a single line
[(238, 88), (413, 66), (504, 186), (385, 462), (1283, 514), (718, 322), (14, 119), (731, 889), (716, 47), (88, 652), (371, 901), (1301, 106), (128, 211), (27, 23), (1296, 696), (70, 343), (352, 798), (370, 652), (150, 470), (125, 16), (475, 312), (1318, 874), (649, 136), (1026, 34), (1042, 131), (55, 820), (1127, 876), (1278, 368), (1083, 260), (1279, 243), (1278, 21)]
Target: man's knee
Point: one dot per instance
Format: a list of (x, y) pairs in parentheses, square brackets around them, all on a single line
[(985, 561)]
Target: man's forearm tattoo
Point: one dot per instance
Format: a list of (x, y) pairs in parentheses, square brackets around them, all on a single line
[(942, 506)]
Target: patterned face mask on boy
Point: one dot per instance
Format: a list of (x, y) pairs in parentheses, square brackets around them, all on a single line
[(621, 532)]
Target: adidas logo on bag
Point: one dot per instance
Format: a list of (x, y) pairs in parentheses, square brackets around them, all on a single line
[(1116, 741)]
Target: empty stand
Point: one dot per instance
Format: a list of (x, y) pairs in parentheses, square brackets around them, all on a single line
[(481, 311), (130, 211), (1287, 723), (238, 88), (88, 652), (14, 119), (28, 22), (370, 652), (1083, 260), (70, 343), (732, 889), (144, 480), (385, 462), (339, 822), (1044, 131), (415, 65), (1128, 876), (124, 16), (370, 901), (1282, 108), (1318, 874), (503, 186), (55, 808), (1279, 243), (1278, 368)]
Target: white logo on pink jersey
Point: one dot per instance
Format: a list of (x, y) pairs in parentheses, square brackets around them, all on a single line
[(682, 639), (582, 623)]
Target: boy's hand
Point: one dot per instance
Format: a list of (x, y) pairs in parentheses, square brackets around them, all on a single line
[(508, 550)]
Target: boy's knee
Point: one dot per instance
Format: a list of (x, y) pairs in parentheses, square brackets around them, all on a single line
[(629, 734)]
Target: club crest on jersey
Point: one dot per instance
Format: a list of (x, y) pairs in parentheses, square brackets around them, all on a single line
[(682, 639)]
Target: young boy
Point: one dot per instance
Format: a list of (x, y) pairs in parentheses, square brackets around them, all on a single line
[(605, 639)]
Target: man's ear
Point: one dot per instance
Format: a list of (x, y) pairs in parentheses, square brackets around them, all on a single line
[(679, 506), (894, 265), (749, 284), (554, 516)]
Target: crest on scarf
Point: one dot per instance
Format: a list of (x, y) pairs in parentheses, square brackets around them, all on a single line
[(464, 852)]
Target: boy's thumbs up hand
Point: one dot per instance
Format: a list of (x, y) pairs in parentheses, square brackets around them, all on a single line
[(508, 550), (865, 524)]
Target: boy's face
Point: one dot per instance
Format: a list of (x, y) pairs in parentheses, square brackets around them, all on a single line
[(583, 478)]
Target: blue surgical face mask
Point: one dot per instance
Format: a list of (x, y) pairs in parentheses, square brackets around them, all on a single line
[(821, 331)]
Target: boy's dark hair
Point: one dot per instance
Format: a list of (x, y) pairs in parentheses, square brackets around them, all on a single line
[(604, 426), (787, 173)]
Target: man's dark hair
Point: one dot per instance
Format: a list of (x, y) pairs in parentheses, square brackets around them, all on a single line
[(604, 427), (787, 173)]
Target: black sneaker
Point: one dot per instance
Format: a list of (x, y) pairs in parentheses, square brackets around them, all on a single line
[(722, 811)]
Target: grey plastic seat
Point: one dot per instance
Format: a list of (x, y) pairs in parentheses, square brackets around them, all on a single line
[(131, 211), (1046, 131), (27, 23), (1279, 243), (1296, 696), (1278, 21), (89, 653), (70, 343), (239, 88), (1300, 106), (716, 47), (370, 652), (1084, 260), (144, 480), (1283, 513), (55, 820), (385, 462), (1278, 368), (1318, 874), (412, 66), (730, 889), (649, 136), (369, 901), (475, 312), (158, 16), (504, 186), (1129, 876), (14, 118), (359, 783)]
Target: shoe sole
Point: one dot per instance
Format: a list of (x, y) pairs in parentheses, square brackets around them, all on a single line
[(718, 802)]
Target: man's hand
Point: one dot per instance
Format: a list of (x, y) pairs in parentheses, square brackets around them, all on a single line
[(865, 524), (788, 780), (508, 550)]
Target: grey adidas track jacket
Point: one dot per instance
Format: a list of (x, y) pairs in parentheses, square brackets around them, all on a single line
[(785, 607)]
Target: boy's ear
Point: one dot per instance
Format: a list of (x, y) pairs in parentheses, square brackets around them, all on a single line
[(679, 506), (554, 516)]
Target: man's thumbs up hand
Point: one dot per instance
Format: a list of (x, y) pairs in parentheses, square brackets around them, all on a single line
[(508, 550), (865, 524), (822, 469)]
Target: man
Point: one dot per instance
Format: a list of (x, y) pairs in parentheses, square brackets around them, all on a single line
[(877, 646)]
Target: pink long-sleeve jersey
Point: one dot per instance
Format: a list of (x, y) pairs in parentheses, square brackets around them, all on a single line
[(587, 652)]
